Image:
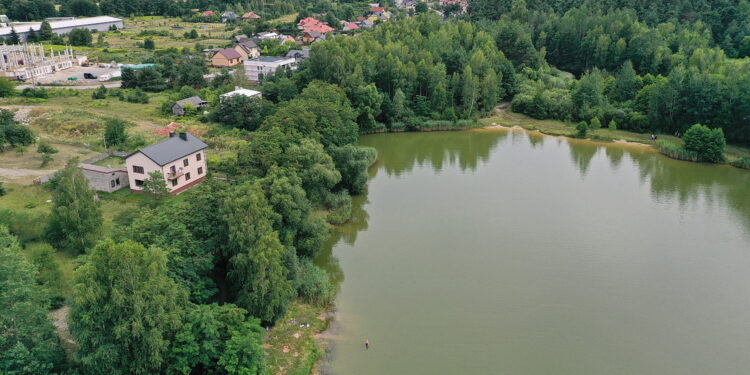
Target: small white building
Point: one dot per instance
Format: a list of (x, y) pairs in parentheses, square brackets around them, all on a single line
[(240, 91), (180, 158), (265, 65)]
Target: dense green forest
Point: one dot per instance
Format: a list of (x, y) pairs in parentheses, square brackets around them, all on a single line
[(28, 10)]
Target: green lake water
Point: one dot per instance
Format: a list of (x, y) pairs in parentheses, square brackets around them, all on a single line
[(507, 252)]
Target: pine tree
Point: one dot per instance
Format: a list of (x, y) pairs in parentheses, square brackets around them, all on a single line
[(14, 38), (45, 31)]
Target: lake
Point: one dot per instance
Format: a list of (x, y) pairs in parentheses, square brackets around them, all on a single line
[(509, 252)]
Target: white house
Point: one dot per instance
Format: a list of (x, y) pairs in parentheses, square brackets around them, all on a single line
[(180, 158), (240, 91), (265, 65)]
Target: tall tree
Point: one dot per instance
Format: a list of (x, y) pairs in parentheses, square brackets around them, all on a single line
[(257, 275), (75, 222), (126, 310), (28, 343)]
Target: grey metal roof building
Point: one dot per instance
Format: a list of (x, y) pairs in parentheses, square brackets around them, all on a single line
[(172, 148), (102, 23)]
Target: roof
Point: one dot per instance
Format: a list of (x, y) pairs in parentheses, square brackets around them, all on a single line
[(229, 15), (241, 91), (172, 149), (248, 44), (230, 53), (377, 9), (299, 53), (194, 100), (321, 28), (308, 21), (208, 13), (251, 15), (99, 168), (78, 22), (313, 33), (270, 59), (350, 26)]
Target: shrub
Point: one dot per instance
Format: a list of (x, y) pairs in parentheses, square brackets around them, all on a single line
[(339, 207), (743, 163), (708, 144), (100, 93), (2, 189), (612, 125), (28, 227), (314, 286), (114, 133), (582, 129), (674, 151)]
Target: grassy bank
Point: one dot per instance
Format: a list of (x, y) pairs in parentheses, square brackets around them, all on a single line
[(734, 154), (291, 346)]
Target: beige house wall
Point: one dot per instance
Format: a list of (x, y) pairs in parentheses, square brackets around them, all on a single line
[(180, 177)]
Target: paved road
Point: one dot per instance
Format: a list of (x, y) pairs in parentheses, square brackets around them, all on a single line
[(108, 85)]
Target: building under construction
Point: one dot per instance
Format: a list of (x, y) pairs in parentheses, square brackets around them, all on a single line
[(29, 61)]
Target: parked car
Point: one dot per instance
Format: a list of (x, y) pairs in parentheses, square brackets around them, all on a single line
[(89, 76)]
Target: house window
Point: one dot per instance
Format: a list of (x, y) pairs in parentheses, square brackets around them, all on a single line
[(138, 182), (117, 181), (172, 170), (198, 156), (200, 170), (174, 182), (185, 162), (187, 176), (112, 183), (137, 169)]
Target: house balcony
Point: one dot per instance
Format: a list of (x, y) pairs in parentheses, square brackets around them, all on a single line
[(174, 176)]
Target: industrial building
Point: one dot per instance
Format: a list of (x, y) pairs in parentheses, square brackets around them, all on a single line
[(27, 61), (62, 27)]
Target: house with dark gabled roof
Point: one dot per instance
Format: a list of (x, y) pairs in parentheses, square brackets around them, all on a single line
[(228, 16), (178, 109), (180, 158)]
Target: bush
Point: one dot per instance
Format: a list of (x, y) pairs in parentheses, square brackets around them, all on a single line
[(582, 129), (708, 144), (339, 207), (314, 286), (114, 133), (2, 189), (612, 125), (26, 226), (100, 93), (43, 257), (743, 163), (674, 151), (596, 123), (34, 93)]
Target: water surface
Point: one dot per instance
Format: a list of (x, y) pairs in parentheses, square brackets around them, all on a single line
[(506, 252)]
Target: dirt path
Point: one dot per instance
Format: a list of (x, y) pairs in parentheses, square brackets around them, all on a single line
[(60, 321), (21, 173)]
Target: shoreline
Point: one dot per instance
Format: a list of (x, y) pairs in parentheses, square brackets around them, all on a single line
[(514, 121)]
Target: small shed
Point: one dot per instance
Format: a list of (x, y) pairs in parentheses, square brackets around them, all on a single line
[(195, 101)]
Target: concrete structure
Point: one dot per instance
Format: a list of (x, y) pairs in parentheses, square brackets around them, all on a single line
[(180, 158), (240, 91), (104, 178), (226, 58), (178, 109), (102, 23), (24, 62), (265, 65)]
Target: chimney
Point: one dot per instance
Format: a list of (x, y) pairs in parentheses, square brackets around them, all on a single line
[(183, 136), (171, 134)]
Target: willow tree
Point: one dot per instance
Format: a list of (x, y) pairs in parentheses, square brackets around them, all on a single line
[(126, 309), (257, 276)]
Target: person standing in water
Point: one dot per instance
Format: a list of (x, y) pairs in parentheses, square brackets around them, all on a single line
[(367, 344)]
